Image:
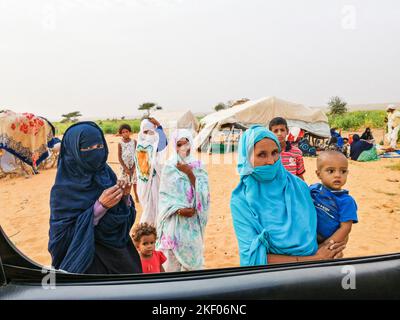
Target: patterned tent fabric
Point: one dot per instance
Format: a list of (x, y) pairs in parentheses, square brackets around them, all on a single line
[(26, 136)]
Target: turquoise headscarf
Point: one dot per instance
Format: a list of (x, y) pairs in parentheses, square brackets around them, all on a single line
[(272, 210)]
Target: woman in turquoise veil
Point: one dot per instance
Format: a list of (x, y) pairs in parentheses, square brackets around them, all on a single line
[(273, 213)]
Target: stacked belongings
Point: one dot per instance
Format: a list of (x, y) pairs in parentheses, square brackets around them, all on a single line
[(26, 136)]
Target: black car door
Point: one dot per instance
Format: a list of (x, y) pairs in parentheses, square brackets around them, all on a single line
[(358, 278)]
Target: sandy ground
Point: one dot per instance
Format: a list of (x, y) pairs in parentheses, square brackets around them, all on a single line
[(24, 213)]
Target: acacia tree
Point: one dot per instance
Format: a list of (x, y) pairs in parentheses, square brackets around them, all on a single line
[(337, 106), (71, 117), (220, 106), (149, 106)]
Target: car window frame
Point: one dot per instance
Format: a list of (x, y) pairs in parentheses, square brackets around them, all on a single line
[(16, 267)]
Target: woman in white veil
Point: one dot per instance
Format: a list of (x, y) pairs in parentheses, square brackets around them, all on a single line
[(149, 158)]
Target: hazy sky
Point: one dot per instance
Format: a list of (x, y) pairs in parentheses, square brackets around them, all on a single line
[(104, 58)]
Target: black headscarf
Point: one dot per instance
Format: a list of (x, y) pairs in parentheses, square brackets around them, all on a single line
[(81, 178), (367, 135)]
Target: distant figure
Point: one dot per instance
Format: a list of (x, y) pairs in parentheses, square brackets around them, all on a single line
[(126, 157), (367, 135), (337, 135), (149, 158), (393, 122), (333, 144), (346, 147)]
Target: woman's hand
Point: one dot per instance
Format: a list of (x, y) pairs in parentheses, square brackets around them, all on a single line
[(331, 242), (187, 212), (185, 168), (111, 196), (154, 121), (126, 187), (339, 255), (330, 250)]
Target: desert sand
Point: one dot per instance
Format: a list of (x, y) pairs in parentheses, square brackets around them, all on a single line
[(24, 213)]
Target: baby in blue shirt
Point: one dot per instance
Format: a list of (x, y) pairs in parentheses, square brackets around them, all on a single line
[(336, 209)]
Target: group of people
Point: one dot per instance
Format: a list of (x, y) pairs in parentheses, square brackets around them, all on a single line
[(93, 212), (356, 148), (363, 148), (277, 217)]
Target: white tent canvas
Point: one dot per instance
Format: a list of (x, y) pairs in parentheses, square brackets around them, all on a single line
[(171, 120), (262, 111)]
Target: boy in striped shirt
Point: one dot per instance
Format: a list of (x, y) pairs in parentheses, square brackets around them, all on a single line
[(291, 156)]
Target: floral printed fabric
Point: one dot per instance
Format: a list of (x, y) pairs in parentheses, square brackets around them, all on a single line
[(182, 235), (25, 136)]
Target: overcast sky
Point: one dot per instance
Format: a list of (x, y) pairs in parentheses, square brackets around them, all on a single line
[(104, 58)]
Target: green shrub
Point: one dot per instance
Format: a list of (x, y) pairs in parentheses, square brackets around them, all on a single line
[(108, 126), (357, 119)]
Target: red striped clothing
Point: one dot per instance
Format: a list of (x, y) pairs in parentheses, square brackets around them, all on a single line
[(292, 160)]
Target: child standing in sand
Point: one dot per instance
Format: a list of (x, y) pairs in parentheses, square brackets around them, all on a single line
[(144, 237), (126, 157), (336, 209), (291, 156)]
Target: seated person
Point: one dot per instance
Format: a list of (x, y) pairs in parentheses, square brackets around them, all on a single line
[(346, 147), (361, 150), (367, 135)]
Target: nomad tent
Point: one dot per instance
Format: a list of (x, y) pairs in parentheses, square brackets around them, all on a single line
[(261, 111), (171, 120), (26, 136)]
